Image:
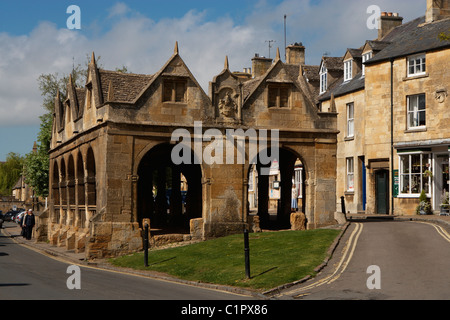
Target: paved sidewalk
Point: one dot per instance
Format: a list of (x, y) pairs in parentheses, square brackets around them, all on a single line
[(13, 230)]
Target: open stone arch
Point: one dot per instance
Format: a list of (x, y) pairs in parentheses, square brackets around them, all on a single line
[(271, 188), (168, 194)]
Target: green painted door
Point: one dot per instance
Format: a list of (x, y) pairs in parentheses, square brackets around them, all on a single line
[(382, 192)]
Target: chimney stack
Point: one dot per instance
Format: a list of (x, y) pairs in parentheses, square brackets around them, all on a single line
[(437, 10), (260, 65), (295, 54), (388, 21)]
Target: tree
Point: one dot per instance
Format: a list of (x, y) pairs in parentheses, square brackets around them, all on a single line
[(10, 172), (36, 168)]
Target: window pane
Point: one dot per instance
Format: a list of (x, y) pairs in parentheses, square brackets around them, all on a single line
[(405, 183), (412, 105), (421, 102), (350, 128), (415, 163), (416, 183), (421, 118), (404, 163)]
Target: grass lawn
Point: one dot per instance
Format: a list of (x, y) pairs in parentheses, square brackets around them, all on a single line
[(276, 258)]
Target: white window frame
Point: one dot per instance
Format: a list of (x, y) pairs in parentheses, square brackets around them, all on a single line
[(367, 56), (350, 119), (348, 69), (410, 174), (413, 110), (416, 65), (350, 173), (323, 79)]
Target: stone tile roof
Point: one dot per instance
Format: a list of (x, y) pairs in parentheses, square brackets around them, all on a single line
[(311, 73), (341, 88), (378, 45), (413, 37), (333, 63), (126, 86), (355, 53)]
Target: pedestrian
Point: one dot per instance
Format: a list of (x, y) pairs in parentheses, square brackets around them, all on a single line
[(29, 224), (22, 225)]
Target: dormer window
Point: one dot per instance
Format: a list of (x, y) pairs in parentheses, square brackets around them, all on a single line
[(365, 57), (323, 79), (348, 70), (416, 65)]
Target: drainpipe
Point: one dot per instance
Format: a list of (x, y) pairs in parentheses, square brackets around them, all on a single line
[(392, 135)]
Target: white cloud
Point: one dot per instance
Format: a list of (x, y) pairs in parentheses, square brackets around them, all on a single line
[(144, 45)]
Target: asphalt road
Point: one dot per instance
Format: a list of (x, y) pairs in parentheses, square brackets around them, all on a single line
[(26, 274), (385, 261)]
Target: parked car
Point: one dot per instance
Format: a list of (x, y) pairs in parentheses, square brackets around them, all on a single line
[(11, 214), (18, 218)]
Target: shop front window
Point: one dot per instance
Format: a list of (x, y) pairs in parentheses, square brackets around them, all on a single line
[(415, 173)]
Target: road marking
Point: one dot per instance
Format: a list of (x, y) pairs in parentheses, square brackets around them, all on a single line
[(343, 263), (439, 229)]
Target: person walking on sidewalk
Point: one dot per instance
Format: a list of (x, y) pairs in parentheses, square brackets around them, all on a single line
[(29, 224)]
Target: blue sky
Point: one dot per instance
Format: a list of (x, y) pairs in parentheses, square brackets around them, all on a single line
[(140, 35)]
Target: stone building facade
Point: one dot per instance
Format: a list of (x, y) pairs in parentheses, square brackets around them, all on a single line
[(117, 144), (392, 101)]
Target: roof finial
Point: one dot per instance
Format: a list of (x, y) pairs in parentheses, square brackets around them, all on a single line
[(226, 66), (93, 58), (278, 54), (176, 51)]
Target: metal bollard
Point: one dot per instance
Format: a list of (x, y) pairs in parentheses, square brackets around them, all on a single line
[(247, 254), (343, 204)]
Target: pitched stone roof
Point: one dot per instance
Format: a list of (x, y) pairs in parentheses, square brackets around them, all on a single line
[(126, 86), (413, 37), (377, 45), (311, 73), (355, 53), (341, 88), (333, 63)]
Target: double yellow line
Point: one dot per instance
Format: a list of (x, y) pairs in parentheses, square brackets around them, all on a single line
[(343, 263), (439, 230)]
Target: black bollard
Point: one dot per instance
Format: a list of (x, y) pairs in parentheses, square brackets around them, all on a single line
[(247, 254), (343, 204), (146, 245)]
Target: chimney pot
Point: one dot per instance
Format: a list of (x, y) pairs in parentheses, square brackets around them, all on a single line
[(388, 21)]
